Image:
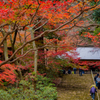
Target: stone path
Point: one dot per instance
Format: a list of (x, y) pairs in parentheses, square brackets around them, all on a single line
[(75, 87)]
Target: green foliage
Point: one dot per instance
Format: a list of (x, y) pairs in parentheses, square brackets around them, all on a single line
[(52, 73), (92, 3), (52, 35), (44, 81), (45, 91), (82, 32), (22, 93), (5, 83), (96, 15), (24, 83), (4, 95), (33, 73), (97, 30), (65, 62)]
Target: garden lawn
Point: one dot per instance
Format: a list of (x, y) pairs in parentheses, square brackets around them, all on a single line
[(75, 87)]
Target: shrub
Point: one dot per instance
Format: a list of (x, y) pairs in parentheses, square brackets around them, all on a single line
[(4, 95), (45, 91)]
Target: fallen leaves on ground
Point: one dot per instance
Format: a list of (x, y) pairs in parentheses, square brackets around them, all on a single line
[(75, 87)]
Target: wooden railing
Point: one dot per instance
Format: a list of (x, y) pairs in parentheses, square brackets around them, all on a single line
[(94, 83)]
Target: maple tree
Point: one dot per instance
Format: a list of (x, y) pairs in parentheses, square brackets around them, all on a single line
[(30, 20), (92, 34)]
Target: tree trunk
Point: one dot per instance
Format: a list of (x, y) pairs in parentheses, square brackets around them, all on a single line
[(56, 47), (35, 57), (5, 49), (5, 46), (13, 42)]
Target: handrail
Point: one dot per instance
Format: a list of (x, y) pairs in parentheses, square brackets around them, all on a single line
[(94, 83)]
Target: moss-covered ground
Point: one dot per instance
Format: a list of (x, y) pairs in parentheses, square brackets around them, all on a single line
[(75, 87)]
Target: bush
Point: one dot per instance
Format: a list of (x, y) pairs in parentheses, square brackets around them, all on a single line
[(4, 95), (45, 91)]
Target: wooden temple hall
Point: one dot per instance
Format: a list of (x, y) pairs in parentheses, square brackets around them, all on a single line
[(89, 56)]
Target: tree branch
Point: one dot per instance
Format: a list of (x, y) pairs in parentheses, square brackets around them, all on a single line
[(45, 32)]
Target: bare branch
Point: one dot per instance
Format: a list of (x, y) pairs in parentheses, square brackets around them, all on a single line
[(31, 50), (20, 37), (38, 2), (87, 26), (2, 25), (41, 25), (67, 28), (34, 13), (7, 33), (37, 23), (45, 32)]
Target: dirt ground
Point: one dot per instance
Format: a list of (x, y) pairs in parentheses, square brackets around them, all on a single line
[(75, 87)]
